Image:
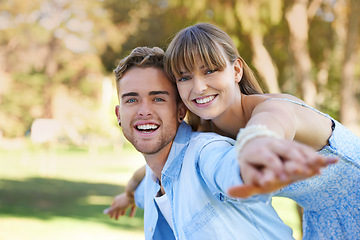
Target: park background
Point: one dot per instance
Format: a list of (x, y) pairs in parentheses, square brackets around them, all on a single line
[(62, 155)]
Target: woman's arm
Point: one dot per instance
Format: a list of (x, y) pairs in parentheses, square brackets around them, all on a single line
[(126, 200), (268, 164)]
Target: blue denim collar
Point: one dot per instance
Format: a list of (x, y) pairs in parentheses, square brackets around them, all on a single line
[(175, 159)]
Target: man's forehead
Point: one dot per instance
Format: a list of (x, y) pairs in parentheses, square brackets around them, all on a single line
[(145, 80)]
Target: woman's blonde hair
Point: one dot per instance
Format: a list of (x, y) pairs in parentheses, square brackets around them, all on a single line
[(212, 45)]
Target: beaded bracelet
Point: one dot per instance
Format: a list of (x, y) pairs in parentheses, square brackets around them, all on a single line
[(248, 133)]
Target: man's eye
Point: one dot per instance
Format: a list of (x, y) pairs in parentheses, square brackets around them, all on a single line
[(159, 100), (131, 100)]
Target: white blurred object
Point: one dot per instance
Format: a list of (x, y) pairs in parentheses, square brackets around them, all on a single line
[(45, 130)]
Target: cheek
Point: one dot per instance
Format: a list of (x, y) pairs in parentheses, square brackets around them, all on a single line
[(183, 90)]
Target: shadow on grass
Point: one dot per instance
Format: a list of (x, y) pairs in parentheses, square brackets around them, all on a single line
[(44, 199)]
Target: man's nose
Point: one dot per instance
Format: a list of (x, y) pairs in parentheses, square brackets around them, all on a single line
[(145, 109), (199, 85)]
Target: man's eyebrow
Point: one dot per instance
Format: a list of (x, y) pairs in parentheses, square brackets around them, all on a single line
[(159, 92), (130, 94)]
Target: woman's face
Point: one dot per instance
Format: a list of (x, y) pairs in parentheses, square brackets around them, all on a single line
[(208, 93)]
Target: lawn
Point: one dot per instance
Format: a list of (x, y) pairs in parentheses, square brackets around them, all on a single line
[(60, 193)]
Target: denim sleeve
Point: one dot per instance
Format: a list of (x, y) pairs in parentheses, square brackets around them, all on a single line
[(218, 165), (140, 195)]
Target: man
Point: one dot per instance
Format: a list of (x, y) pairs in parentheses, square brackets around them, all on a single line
[(188, 173)]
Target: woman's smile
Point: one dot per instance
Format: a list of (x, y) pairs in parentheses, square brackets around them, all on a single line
[(206, 100)]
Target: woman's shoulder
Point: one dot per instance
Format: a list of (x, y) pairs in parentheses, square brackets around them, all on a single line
[(281, 96), (268, 99)]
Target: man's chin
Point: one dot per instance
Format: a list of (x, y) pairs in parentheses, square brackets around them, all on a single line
[(147, 149)]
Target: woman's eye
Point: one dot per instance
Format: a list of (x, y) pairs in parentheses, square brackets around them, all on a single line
[(210, 71), (183, 79)]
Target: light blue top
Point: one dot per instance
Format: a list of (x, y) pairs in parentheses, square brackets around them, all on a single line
[(331, 201), (199, 170)]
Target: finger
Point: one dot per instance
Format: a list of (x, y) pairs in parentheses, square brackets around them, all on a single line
[(295, 168), (321, 161), (132, 211), (243, 191), (122, 212), (106, 211), (268, 177), (117, 215), (250, 175)]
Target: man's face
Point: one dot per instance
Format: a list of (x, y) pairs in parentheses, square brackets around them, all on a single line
[(148, 110)]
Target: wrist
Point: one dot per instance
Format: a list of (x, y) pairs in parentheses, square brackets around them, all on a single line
[(249, 133)]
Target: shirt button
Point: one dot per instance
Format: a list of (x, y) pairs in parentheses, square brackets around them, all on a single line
[(150, 229)]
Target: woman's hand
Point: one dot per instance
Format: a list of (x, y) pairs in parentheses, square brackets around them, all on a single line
[(268, 164), (121, 203)]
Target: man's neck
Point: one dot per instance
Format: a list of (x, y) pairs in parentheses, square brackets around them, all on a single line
[(157, 160)]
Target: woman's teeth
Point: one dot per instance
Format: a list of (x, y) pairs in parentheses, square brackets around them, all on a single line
[(204, 100)]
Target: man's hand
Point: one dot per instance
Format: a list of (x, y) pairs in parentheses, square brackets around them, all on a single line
[(268, 164), (119, 206)]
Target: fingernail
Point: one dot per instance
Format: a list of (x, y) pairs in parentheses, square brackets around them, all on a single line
[(106, 211)]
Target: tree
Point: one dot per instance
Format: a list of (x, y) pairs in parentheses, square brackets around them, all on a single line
[(347, 28), (298, 17), (45, 45)]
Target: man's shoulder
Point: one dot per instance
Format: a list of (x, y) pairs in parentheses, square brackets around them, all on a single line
[(204, 138)]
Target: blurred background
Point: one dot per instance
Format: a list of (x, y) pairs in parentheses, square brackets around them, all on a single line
[(62, 155)]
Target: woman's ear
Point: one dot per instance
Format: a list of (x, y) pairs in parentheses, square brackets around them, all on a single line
[(181, 111), (238, 68)]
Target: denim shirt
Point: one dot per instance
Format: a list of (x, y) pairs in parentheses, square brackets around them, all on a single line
[(199, 170)]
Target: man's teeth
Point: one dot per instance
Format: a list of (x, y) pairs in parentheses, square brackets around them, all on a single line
[(147, 127), (204, 100)]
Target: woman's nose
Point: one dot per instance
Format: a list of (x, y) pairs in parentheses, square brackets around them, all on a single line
[(199, 85)]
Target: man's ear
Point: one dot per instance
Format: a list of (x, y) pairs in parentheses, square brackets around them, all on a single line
[(117, 113), (239, 71), (181, 111)]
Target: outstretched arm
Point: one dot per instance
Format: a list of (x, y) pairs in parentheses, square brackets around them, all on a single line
[(268, 164), (135, 180), (126, 200)]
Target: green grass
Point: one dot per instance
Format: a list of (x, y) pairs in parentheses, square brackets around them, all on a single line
[(60, 193), (286, 209)]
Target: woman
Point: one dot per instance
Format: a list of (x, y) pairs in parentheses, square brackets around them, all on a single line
[(215, 84)]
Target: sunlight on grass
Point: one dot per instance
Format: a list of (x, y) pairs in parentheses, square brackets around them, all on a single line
[(60, 194), (61, 228), (286, 209)]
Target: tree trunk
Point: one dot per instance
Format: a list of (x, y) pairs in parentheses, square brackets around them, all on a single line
[(51, 67), (349, 115), (298, 25), (264, 64)]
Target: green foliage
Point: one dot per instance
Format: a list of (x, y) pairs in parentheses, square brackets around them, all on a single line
[(46, 45)]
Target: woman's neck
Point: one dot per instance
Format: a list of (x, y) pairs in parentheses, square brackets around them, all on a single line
[(234, 118)]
